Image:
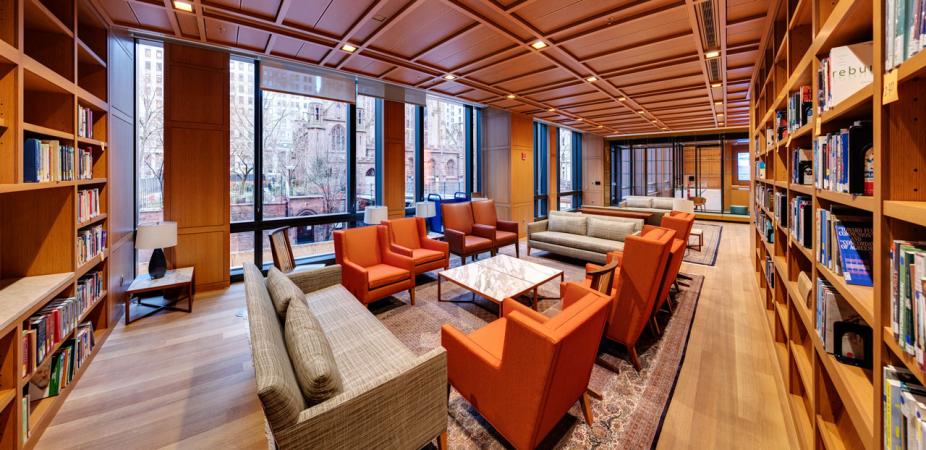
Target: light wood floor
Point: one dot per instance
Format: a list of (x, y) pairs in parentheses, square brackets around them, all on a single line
[(182, 380)]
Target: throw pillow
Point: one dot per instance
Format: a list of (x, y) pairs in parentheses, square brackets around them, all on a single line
[(608, 229), (639, 202), (663, 203), (568, 224), (310, 353), (282, 291)]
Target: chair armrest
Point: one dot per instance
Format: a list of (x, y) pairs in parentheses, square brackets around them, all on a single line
[(485, 231), (468, 364), (616, 256), (536, 227), (404, 251), (396, 260), (510, 305), (404, 409), (455, 239), (572, 292), (507, 225), (313, 280), (434, 244), (589, 268)]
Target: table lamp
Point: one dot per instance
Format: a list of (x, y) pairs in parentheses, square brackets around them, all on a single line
[(425, 209), (373, 215), (156, 237)]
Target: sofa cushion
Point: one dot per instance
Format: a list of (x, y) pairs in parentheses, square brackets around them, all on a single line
[(565, 213), (609, 229), (587, 243), (639, 202), (663, 202), (383, 274), (424, 255), (363, 347), (637, 223), (282, 291), (313, 362), (568, 224)]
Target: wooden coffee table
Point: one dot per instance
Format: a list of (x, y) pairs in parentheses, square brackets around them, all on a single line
[(179, 282), (498, 278)]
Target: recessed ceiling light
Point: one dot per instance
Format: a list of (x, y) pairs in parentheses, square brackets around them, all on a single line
[(718, 103), (622, 99), (716, 85), (600, 126), (510, 96), (183, 6), (579, 119), (551, 110), (348, 48), (538, 44), (655, 121), (450, 76), (711, 54), (640, 111), (592, 79), (720, 114)]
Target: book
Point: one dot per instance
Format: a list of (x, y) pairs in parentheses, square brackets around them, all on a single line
[(855, 250), (849, 69)]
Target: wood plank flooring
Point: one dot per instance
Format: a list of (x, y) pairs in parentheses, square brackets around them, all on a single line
[(180, 380)]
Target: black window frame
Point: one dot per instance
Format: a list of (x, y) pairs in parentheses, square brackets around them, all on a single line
[(541, 171), (576, 192)]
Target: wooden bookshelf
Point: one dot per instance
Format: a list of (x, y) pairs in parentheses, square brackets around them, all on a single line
[(53, 58), (833, 405)]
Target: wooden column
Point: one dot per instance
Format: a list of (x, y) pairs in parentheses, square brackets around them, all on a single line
[(394, 158), (509, 159), (593, 170), (553, 168), (196, 160)]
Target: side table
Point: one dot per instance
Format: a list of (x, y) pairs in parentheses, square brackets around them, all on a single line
[(179, 280)]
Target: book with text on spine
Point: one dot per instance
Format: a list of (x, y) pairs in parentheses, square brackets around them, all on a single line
[(855, 249)]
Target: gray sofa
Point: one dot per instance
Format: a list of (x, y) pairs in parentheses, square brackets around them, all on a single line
[(658, 206), (389, 397), (581, 236)]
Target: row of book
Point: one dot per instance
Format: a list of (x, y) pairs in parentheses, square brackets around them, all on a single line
[(84, 163), (904, 405), (88, 204), (89, 288), (844, 244), (769, 272), (765, 226), (47, 328), (781, 208), (844, 161), (764, 197), (908, 297), (802, 166), (904, 30), (760, 169), (800, 108), (90, 243), (802, 220), (84, 122), (47, 160), (844, 72), (839, 326)]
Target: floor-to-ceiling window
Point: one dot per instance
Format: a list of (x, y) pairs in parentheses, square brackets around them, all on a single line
[(569, 151), (369, 140), (149, 139), (541, 170), (411, 171), (242, 158), (444, 148)]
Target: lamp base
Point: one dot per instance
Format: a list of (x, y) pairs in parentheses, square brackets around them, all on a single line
[(157, 266)]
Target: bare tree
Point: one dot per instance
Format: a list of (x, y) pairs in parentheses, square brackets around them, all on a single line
[(151, 134)]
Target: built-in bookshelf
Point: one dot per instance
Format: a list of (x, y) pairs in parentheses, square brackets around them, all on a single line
[(53, 95), (834, 404)]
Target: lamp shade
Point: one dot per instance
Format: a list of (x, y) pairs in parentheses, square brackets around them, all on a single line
[(159, 235), (373, 215), (425, 209)]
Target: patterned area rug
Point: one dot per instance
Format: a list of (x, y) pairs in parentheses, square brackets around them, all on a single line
[(708, 254), (634, 403)]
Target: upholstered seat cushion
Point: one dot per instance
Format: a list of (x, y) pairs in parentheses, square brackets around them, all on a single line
[(473, 242), (588, 243), (381, 275), (608, 229), (423, 255), (313, 362), (363, 347), (505, 237), (282, 291), (491, 337)]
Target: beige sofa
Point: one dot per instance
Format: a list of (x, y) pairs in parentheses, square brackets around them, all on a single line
[(389, 397), (581, 236), (658, 206)]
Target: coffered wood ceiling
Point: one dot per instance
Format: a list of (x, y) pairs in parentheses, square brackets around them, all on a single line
[(650, 57)]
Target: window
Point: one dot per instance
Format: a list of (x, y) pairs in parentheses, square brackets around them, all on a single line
[(569, 151), (444, 137), (149, 135), (411, 135), (241, 160), (541, 170), (367, 138), (742, 166)]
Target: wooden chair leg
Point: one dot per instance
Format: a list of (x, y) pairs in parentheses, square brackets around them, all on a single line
[(587, 408), (517, 249), (528, 248), (634, 358), (669, 305), (442, 441), (411, 294)]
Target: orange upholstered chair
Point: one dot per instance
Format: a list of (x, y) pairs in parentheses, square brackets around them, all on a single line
[(506, 231), (369, 269), (408, 237), (681, 222), (524, 371), (636, 285), (466, 237)]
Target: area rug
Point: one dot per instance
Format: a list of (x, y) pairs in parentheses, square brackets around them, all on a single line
[(707, 255), (634, 403)]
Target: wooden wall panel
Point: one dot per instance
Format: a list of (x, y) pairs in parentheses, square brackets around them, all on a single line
[(394, 158), (593, 180), (509, 157), (496, 154), (196, 160), (553, 167)]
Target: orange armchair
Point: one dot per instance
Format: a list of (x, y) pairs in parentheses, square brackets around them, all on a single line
[(409, 237), (466, 237), (506, 231), (681, 222), (369, 269), (636, 285), (524, 371)]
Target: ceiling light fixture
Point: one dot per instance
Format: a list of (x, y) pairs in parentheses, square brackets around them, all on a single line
[(592, 79), (450, 77), (711, 54), (600, 126), (720, 114), (622, 99), (538, 44), (718, 103), (640, 111), (183, 6), (348, 48), (551, 110), (716, 85), (510, 96)]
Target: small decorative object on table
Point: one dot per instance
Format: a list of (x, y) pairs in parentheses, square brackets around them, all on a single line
[(157, 237), (176, 285)]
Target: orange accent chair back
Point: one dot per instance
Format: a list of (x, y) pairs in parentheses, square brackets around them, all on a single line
[(524, 371), (484, 212), (369, 269), (681, 222), (458, 216), (505, 231), (637, 285), (464, 236), (408, 236)]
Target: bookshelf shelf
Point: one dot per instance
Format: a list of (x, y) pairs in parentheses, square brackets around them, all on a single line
[(803, 364), (912, 68), (86, 55), (805, 189), (84, 268), (912, 212), (802, 250), (7, 396), (92, 306), (855, 388), (833, 435), (20, 296), (860, 297), (25, 187), (48, 132), (92, 221), (855, 201), (38, 77), (857, 104), (89, 141), (38, 17), (91, 181), (801, 419), (802, 311), (890, 340), (87, 97), (849, 21)]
